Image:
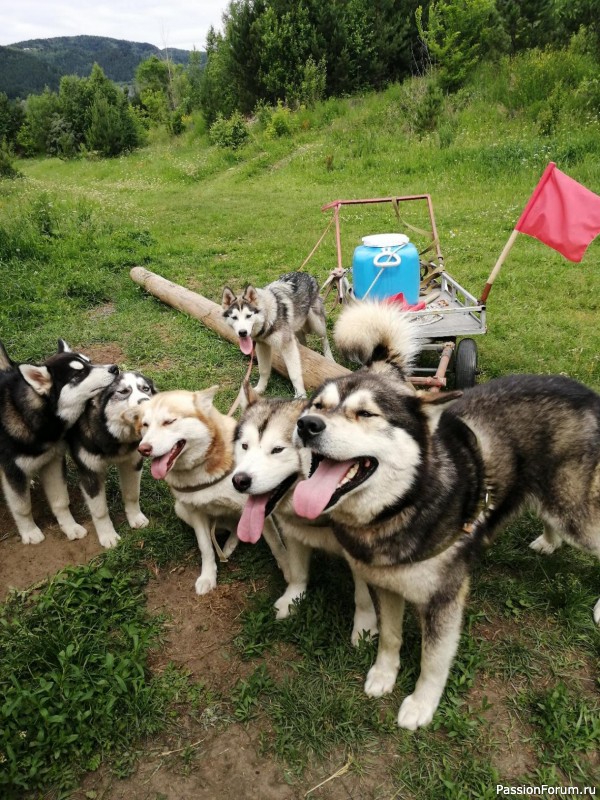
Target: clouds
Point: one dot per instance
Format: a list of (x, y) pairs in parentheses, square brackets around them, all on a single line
[(164, 23)]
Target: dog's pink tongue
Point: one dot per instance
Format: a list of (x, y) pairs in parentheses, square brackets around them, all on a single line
[(312, 495), (245, 345), (160, 466), (252, 521)]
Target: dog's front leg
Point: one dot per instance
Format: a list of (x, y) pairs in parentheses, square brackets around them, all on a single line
[(365, 616), (382, 675), (298, 566), (18, 498), (54, 481), (263, 356), (93, 488), (441, 621), (201, 525), (130, 476)]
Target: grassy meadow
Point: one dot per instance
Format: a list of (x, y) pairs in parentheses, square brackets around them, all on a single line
[(78, 692)]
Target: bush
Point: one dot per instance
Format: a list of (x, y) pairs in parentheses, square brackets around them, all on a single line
[(231, 133), (7, 168), (281, 122)]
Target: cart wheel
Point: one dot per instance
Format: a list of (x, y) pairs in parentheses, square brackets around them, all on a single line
[(465, 364)]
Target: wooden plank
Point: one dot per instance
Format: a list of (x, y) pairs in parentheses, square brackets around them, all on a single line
[(315, 368)]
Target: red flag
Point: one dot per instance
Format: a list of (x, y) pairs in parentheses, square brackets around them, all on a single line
[(561, 213)]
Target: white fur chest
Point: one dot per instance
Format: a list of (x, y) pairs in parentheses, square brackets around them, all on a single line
[(218, 499)]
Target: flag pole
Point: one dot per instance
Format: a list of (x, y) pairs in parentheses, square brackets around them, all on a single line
[(498, 265)]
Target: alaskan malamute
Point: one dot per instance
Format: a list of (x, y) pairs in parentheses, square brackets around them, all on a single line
[(267, 468), (38, 404), (414, 492), (272, 318), (190, 444), (101, 437)]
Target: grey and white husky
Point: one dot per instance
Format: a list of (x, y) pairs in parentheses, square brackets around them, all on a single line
[(272, 318), (38, 404), (101, 437), (267, 468), (415, 487)]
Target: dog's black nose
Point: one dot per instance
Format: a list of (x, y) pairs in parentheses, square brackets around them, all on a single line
[(243, 334), (242, 481), (310, 426), (113, 369)]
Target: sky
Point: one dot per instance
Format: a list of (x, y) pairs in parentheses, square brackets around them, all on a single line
[(164, 23)]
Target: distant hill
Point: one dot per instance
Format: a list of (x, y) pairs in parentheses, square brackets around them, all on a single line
[(27, 67)]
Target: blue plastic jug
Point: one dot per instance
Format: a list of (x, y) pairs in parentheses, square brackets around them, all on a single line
[(384, 265)]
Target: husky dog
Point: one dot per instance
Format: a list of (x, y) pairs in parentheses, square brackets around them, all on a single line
[(267, 468), (38, 404), (190, 444), (414, 492), (272, 318), (101, 437)]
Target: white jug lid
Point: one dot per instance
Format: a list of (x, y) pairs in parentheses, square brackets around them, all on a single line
[(385, 240)]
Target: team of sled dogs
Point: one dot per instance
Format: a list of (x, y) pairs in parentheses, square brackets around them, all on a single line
[(409, 487)]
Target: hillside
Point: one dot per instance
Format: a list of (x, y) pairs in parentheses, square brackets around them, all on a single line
[(27, 67)]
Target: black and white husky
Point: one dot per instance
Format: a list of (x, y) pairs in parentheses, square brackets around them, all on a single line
[(101, 437), (38, 404), (414, 492), (272, 318)]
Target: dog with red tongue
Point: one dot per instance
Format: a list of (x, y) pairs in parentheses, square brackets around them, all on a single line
[(190, 444), (267, 466), (274, 317)]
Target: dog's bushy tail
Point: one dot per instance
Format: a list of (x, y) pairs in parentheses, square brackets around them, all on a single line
[(376, 334)]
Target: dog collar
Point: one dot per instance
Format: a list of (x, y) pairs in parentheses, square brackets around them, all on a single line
[(197, 487)]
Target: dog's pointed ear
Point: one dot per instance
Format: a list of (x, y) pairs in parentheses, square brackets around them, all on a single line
[(6, 361), (38, 378), (203, 400), (227, 299), (435, 403), (250, 295), (63, 347), (249, 393)]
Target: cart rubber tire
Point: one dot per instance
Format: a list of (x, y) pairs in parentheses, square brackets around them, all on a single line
[(465, 364)]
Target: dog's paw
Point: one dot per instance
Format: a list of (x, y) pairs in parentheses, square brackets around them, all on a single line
[(415, 714), (34, 536), (544, 546), (380, 681), (137, 520), (109, 540), (205, 584), (597, 613), (365, 627), (285, 604), (74, 531)]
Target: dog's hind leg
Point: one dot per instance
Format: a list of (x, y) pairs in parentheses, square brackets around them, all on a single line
[(130, 476), (291, 357), (263, 356), (298, 566), (315, 323), (441, 621), (201, 525), (365, 616), (54, 481), (382, 675), (18, 499), (548, 542)]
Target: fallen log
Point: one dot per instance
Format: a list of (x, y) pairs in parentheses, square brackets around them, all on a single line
[(315, 368)]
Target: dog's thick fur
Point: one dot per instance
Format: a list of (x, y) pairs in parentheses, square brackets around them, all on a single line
[(38, 404), (190, 444), (404, 483), (101, 437), (267, 468), (272, 318)]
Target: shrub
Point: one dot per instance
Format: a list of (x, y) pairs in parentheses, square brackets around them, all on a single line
[(231, 133), (7, 168), (281, 122)]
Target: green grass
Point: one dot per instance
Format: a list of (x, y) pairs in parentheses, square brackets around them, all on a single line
[(526, 673)]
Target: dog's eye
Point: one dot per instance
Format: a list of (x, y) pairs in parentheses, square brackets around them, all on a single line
[(276, 450), (364, 413), (144, 425), (244, 446), (145, 389), (124, 391), (169, 422), (318, 406)]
